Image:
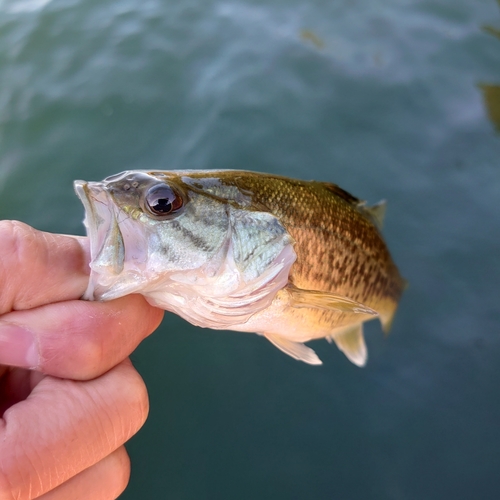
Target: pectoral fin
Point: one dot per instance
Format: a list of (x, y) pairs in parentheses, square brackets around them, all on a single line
[(351, 342), (294, 349), (325, 300)]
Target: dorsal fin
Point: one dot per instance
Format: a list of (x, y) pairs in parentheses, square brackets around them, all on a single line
[(377, 212), (338, 191)]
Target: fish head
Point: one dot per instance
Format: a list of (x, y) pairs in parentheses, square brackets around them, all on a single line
[(145, 226), (189, 245)]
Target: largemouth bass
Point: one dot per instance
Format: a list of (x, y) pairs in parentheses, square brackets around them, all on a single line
[(288, 259)]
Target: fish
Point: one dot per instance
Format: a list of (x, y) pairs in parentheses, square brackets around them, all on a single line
[(288, 259)]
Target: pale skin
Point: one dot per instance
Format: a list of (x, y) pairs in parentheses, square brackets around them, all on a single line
[(69, 396)]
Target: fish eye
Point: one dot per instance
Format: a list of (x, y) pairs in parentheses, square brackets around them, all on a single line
[(163, 200)]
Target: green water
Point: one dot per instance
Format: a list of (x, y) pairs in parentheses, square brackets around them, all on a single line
[(394, 99)]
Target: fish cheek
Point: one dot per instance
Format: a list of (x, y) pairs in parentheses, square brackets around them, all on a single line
[(189, 241)]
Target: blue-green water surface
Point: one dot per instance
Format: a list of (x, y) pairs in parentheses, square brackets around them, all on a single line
[(394, 99)]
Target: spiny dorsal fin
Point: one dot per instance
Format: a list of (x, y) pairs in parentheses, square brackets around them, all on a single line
[(351, 342), (294, 349), (375, 212), (299, 297), (338, 191)]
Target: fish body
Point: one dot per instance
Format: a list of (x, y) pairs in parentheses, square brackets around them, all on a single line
[(291, 260)]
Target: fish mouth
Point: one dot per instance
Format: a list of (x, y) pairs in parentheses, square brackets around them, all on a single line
[(106, 241)]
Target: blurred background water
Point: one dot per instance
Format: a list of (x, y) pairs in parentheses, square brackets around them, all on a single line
[(394, 99)]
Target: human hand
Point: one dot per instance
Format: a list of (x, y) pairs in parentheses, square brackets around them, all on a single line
[(69, 398)]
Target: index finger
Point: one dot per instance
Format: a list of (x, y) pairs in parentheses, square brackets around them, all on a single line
[(38, 268)]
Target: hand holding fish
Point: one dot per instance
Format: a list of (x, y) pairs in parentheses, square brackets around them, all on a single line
[(69, 398)]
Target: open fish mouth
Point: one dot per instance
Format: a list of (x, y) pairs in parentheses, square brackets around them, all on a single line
[(107, 249)]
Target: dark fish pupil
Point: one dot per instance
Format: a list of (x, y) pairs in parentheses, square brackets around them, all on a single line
[(162, 205), (162, 200)]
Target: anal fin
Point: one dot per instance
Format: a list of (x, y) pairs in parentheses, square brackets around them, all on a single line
[(351, 342), (294, 349)]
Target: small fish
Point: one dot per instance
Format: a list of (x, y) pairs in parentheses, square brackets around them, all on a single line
[(288, 259)]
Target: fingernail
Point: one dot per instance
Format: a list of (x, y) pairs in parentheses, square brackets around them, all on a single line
[(17, 346)]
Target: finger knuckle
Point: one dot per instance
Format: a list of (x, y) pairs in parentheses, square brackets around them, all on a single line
[(92, 356), (17, 242)]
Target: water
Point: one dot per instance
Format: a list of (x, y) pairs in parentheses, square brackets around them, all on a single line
[(390, 99)]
